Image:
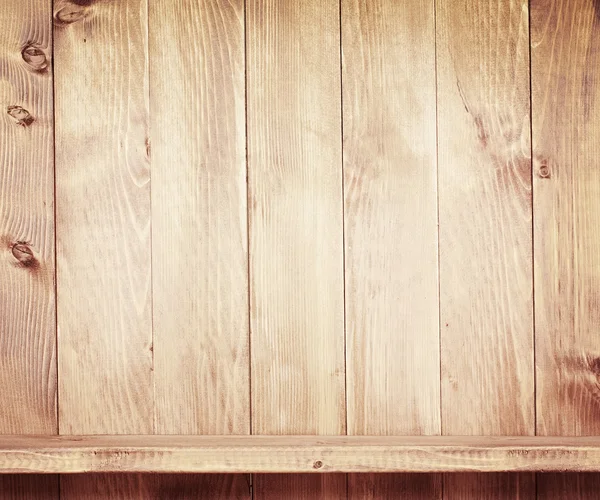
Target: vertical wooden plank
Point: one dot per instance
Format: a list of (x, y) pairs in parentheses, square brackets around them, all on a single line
[(103, 226), (565, 57), (296, 240), (199, 226), (27, 299), (27, 294), (391, 231), (485, 230), (199, 217)]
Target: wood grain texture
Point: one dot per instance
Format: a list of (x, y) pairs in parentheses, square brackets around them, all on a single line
[(296, 219), (300, 487), (566, 131), (489, 486), (27, 295), (565, 56), (103, 227), (161, 487), (391, 260), (27, 298), (395, 486), (485, 209), (28, 487), (295, 166), (568, 486), (199, 250), (103, 219), (298, 454), (391, 217)]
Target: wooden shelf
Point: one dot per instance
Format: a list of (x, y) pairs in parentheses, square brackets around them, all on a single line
[(196, 454)]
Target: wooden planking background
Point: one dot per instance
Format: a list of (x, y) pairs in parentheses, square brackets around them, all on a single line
[(483, 105)]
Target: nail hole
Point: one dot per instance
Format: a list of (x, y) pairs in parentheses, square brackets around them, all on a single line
[(21, 116)]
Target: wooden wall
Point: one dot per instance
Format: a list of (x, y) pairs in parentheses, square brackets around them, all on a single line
[(279, 217)]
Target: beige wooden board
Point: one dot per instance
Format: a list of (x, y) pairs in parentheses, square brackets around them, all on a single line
[(103, 226), (391, 260), (27, 298), (199, 226), (27, 294), (565, 56), (297, 454), (485, 228), (296, 219)]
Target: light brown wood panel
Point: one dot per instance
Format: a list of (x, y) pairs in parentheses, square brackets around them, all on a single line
[(280, 454), (391, 261), (296, 219), (103, 228), (565, 56), (27, 298), (27, 294), (568, 486), (485, 209), (199, 227)]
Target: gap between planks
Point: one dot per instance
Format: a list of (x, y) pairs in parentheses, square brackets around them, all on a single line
[(296, 454)]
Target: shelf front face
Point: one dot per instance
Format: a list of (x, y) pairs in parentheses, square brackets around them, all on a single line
[(296, 454)]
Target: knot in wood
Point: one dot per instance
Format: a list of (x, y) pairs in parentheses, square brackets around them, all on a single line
[(69, 14), (318, 464), (20, 115), (544, 170), (23, 253), (35, 57)]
